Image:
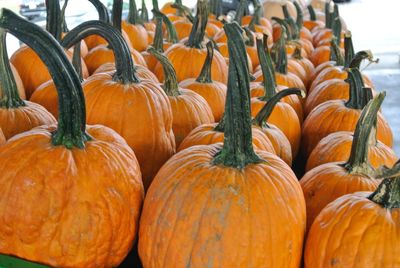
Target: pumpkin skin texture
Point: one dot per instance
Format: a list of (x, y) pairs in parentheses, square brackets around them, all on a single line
[(2, 138), (18, 81), (336, 147), (207, 135), (368, 235), (137, 35), (220, 199), (141, 71), (320, 55), (68, 208), (17, 120)]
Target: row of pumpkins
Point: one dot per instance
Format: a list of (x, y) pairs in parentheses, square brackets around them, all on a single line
[(180, 132)]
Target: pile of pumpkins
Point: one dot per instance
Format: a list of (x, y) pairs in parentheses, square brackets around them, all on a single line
[(197, 139)]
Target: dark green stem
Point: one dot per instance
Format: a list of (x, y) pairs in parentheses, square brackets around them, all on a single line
[(295, 31), (281, 61), (255, 20), (170, 84), (8, 87), (125, 69), (250, 37), (205, 74), (336, 54), (337, 30), (155, 6), (240, 11), (328, 14), (215, 7), (237, 151), (197, 33), (300, 15), (284, 25), (54, 19), (64, 26), (101, 10), (183, 11), (71, 120), (144, 13), (133, 15), (311, 11), (348, 49), (117, 14), (358, 161), (171, 31), (359, 96), (388, 193), (76, 60), (263, 115), (267, 69), (158, 35), (359, 57)]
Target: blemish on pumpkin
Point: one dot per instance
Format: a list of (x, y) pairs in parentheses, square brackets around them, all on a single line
[(334, 262)]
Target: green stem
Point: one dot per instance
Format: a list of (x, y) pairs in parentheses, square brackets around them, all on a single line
[(64, 26), (215, 7), (170, 84), (300, 15), (125, 69), (284, 25), (359, 96), (171, 31), (237, 151), (267, 69), (197, 33), (183, 11), (337, 30), (388, 193), (311, 11), (133, 15), (263, 115), (8, 87), (240, 11), (348, 49), (155, 6), (158, 35), (295, 31), (53, 19), (359, 57), (358, 162), (205, 74), (281, 61), (250, 37), (144, 14), (336, 54), (101, 10), (117, 14), (71, 120), (255, 20), (76, 60), (328, 14)]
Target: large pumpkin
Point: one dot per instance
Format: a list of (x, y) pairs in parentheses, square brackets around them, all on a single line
[(212, 205), (74, 200)]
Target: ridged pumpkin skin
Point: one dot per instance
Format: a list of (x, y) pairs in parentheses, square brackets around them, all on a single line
[(368, 235), (58, 205), (320, 55), (222, 215), (137, 34), (94, 40), (327, 182), (140, 113), (288, 80), (183, 28), (2, 138), (18, 81), (141, 71), (214, 93), (180, 55), (333, 116), (189, 110), (336, 147), (206, 135), (17, 120)]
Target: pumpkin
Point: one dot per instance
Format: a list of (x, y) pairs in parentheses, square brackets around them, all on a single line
[(194, 52), (136, 32), (213, 92), (364, 224), (151, 61), (2, 138), (189, 109), (150, 26), (16, 115), (341, 115), (142, 101), (260, 23), (141, 71), (93, 41), (77, 183), (332, 30), (273, 8), (329, 181), (18, 81), (183, 28), (312, 23), (335, 58), (305, 64), (211, 185)]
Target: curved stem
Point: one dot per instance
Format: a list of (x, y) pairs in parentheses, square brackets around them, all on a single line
[(205, 74), (300, 15), (284, 25), (388, 193), (144, 13), (170, 84), (267, 69), (348, 49), (133, 15), (240, 11), (359, 96), (158, 35), (171, 31), (237, 151), (358, 161), (295, 31), (359, 57), (53, 19), (125, 69), (255, 20), (117, 14), (250, 37), (64, 26), (8, 87), (183, 11), (336, 54), (101, 10), (281, 61), (76, 60), (311, 11), (265, 112), (71, 120), (197, 33)]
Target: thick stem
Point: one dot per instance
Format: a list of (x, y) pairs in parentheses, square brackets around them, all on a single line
[(197, 33), (155, 6), (311, 11), (348, 49), (158, 35), (205, 74), (267, 69), (255, 20), (171, 31), (133, 15), (76, 60), (71, 120), (237, 151), (281, 61), (328, 14), (337, 30), (358, 162), (101, 10), (359, 96), (53, 19), (285, 26), (183, 11), (8, 87), (240, 11), (117, 14), (300, 15), (64, 26), (388, 193), (265, 112), (295, 31), (249, 41), (336, 54), (359, 57), (216, 7), (170, 84), (125, 69), (144, 13)]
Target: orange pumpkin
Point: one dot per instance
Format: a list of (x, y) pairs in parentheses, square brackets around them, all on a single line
[(213, 92), (18, 81), (110, 95), (136, 32), (93, 41), (341, 115), (239, 175), (312, 23), (2, 138), (305, 64), (79, 182)]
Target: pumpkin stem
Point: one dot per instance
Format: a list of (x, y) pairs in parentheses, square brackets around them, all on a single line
[(360, 56), (170, 84), (53, 19), (387, 194), (205, 74), (237, 151), (295, 31), (283, 24), (297, 52), (125, 69), (158, 35), (358, 162), (155, 6), (359, 96), (117, 14), (336, 54), (215, 7), (144, 13), (76, 60), (72, 119), (255, 20), (328, 14), (311, 11), (9, 97), (133, 14), (267, 68), (300, 15), (337, 30), (12, 261), (183, 11), (172, 35), (64, 26), (263, 115), (249, 37), (348, 49), (281, 61), (101, 10), (240, 11), (197, 33)]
